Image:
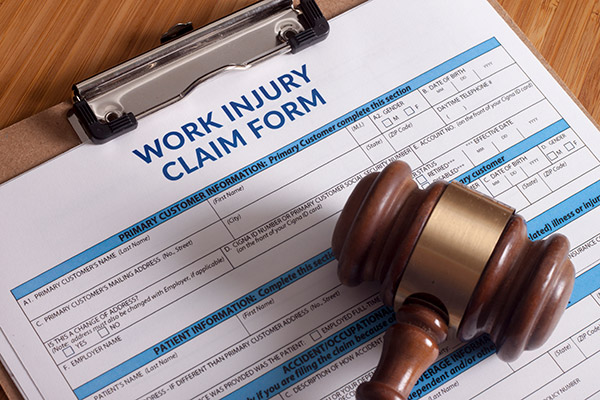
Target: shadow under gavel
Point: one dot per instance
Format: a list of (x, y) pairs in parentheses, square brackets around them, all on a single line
[(447, 256)]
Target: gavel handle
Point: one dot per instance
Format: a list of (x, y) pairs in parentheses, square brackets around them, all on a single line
[(409, 348)]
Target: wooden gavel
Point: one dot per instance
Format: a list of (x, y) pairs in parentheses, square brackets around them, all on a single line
[(447, 256)]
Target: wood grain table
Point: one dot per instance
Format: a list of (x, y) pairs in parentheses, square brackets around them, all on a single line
[(46, 46)]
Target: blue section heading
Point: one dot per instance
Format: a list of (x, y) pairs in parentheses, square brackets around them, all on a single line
[(203, 325), (452, 365)]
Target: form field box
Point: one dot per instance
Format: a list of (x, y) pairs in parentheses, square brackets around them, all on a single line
[(569, 146), (421, 180), (534, 189), (567, 355)]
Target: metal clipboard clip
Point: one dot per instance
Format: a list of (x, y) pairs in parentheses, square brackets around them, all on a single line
[(110, 104)]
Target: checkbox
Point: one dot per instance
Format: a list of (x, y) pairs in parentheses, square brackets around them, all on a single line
[(409, 111), (103, 332), (315, 335), (569, 146), (68, 351), (387, 122), (421, 180), (552, 156)]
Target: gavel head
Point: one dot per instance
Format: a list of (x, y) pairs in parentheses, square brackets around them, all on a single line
[(467, 251)]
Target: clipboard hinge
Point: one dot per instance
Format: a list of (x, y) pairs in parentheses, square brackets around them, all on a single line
[(101, 132), (112, 102), (317, 27)]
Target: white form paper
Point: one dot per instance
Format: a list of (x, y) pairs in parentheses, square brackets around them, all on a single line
[(191, 258)]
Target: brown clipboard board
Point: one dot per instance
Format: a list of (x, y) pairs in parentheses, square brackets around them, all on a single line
[(48, 134)]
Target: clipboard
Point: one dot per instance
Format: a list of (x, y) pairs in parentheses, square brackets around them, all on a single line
[(52, 131)]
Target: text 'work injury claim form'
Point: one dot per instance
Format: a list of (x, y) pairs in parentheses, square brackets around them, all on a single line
[(191, 258)]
